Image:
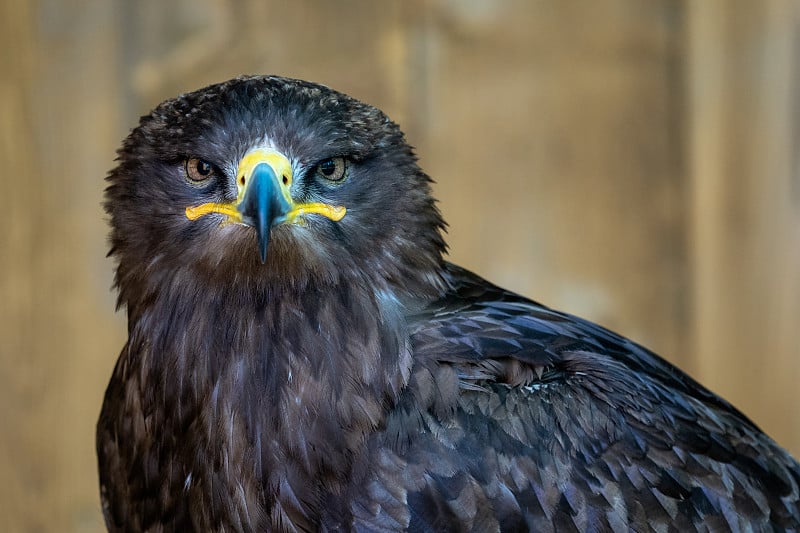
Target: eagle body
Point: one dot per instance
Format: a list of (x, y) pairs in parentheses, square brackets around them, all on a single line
[(301, 357)]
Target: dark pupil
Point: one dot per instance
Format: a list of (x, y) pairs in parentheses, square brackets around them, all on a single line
[(327, 167), (203, 168)]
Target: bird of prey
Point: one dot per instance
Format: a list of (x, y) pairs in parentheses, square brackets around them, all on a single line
[(301, 357)]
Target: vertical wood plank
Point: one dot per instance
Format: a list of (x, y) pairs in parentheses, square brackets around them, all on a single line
[(357, 46), (746, 208), (59, 334), (554, 136), (18, 392)]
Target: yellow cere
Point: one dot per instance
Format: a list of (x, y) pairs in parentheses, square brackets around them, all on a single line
[(280, 166), (283, 170)]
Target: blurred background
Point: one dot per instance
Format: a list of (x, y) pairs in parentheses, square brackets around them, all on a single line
[(632, 162)]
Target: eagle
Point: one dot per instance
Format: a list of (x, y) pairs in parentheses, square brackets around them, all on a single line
[(302, 357)]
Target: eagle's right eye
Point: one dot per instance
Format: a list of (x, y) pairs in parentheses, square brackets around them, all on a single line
[(198, 170)]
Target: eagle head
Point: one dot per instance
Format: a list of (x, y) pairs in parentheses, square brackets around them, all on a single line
[(267, 180)]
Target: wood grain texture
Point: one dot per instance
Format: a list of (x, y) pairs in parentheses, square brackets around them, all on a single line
[(629, 162), (745, 219), (58, 329), (567, 147)]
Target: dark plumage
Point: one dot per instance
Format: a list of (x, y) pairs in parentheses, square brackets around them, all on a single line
[(354, 380)]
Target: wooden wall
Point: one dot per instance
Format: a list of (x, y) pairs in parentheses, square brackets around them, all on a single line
[(632, 162)]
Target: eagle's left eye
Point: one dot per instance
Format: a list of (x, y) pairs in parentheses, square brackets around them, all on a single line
[(198, 170), (332, 169)]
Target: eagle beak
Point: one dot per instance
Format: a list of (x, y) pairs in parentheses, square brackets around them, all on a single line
[(264, 200)]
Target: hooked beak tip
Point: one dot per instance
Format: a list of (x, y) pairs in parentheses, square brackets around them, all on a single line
[(263, 242)]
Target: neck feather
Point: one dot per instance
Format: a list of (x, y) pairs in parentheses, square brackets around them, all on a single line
[(277, 388)]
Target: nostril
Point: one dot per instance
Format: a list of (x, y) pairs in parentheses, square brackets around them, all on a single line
[(241, 180), (286, 180)]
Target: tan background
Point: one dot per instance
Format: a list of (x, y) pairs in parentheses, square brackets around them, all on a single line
[(633, 162)]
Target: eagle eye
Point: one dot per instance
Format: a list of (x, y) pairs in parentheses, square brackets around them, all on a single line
[(332, 169), (198, 170)]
